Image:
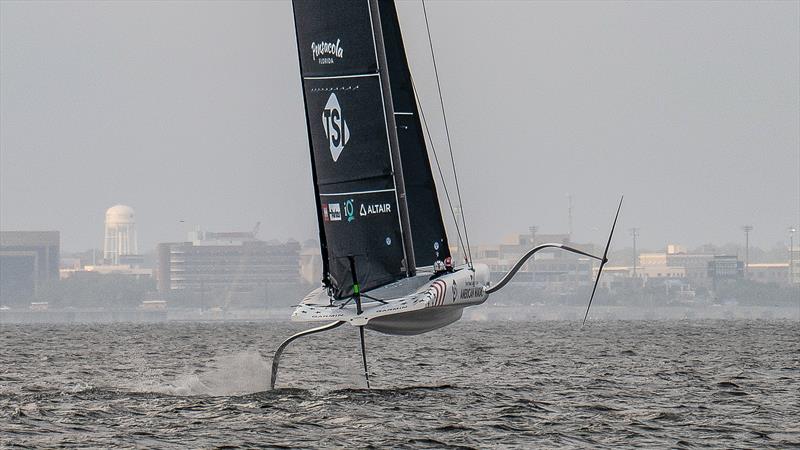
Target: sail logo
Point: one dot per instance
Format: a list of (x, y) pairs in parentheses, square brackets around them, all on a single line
[(377, 208), (336, 129), (349, 210), (324, 52), (334, 211)]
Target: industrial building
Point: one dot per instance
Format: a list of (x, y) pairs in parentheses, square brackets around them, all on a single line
[(699, 269), (217, 269), (725, 267), (28, 259), (551, 268), (769, 273)]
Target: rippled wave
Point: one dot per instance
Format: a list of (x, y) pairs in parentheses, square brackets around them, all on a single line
[(474, 384)]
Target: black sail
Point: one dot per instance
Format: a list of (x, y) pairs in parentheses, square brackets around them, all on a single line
[(357, 147), (427, 227)]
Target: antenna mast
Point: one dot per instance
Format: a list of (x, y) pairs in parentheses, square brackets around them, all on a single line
[(569, 215), (747, 229), (635, 234)]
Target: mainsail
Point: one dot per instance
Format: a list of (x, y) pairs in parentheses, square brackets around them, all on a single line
[(374, 190)]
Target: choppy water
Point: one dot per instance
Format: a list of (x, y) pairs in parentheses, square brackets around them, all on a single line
[(473, 384)]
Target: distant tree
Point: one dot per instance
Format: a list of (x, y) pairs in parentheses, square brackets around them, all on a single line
[(87, 289), (747, 292)]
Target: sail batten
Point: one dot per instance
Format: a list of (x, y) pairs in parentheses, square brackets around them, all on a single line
[(359, 192), (342, 76)]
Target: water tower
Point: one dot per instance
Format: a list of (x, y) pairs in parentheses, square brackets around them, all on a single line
[(120, 234)]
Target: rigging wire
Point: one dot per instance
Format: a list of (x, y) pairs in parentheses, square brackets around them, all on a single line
[(447, 133), (435, 155), (436, 159)]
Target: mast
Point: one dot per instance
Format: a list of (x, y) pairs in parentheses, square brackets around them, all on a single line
[(386, 89), (323, 243)]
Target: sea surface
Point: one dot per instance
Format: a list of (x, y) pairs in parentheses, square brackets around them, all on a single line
[(653, 384)]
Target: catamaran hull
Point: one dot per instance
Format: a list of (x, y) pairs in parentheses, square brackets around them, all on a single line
[(416, 322), (411, 306)]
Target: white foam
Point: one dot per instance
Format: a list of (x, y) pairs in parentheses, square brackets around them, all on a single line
[(237, 374)]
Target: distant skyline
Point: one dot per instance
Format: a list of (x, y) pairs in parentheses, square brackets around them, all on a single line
[(192, 114)]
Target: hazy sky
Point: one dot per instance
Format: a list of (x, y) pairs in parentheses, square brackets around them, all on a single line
[(192, 111)]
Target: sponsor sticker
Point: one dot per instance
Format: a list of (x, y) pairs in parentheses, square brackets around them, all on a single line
[(376, 208), (327, 52), (335, 211), (336, 129), (348, 210)]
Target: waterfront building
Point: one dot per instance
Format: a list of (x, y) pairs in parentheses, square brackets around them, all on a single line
[(678, 263), (652, 259), (220, 268), (660, 272), (28, 259), (551, 269), (615, 276), (725, 267), (119, 269), (768, 273), (695, 265), (68, 266), (794, 265)]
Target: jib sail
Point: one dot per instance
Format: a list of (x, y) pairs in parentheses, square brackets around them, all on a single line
[(357, 150), (427, 227)]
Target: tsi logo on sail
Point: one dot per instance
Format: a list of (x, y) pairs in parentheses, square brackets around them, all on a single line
[(336, 129)]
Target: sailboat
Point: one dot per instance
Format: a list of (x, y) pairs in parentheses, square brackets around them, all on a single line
[(387, 263)]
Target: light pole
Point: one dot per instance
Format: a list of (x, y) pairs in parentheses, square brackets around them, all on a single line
[(747, 229), (635, 233), (531, 265), (792, 230), (569, 216)]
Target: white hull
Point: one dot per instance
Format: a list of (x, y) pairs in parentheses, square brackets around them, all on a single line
[(410, 306)]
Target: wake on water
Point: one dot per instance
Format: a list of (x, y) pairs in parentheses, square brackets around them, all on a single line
[(242, 373)]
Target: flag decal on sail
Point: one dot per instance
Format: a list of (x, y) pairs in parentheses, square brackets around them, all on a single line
[(335, 126), (335, 211)]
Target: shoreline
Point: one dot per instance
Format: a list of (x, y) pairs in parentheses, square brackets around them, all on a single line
[(510, 313)]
